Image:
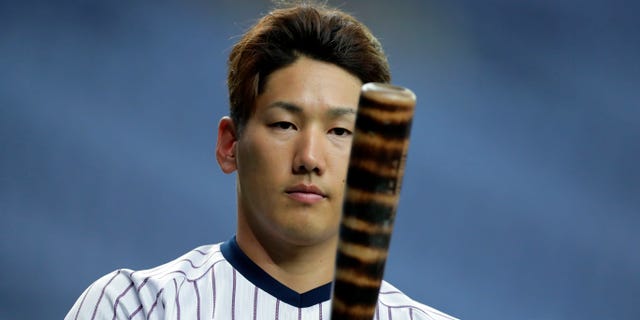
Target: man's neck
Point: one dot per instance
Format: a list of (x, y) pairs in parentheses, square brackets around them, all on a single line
[(301, 268)]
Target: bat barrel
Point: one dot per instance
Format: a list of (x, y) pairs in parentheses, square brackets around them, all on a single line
[(374, 177)]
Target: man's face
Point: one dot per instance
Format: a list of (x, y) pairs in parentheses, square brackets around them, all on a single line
[(292, 155)]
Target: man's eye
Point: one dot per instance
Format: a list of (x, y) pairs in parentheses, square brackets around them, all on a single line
[(282, 125), (340, 131)]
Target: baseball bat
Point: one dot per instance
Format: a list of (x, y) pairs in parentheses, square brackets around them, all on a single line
[(374, 177)]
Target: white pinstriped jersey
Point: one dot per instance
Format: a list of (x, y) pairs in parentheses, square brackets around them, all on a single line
[(220, 282)]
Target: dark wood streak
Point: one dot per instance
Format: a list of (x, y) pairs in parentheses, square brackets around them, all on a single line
[(374, 177), (388, 105), (367, 238), (368, 211), (367, 180), (392, 130)]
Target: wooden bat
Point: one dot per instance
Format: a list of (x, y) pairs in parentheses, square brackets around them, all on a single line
[(374, 176)]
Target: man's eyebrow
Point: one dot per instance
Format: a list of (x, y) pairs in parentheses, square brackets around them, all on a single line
[(338, 112), (333, 112), (293, 108)]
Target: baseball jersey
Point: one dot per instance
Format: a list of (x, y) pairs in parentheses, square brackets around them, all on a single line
[(220, 282)]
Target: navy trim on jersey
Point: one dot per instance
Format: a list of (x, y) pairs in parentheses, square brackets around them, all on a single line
[(239, 260)]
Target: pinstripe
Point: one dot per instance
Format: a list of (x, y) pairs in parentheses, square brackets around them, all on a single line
[(394, 299), (115, 305), (406, 306), (255, 303), (391, 292), (135, 312), (151, 273), (195, 286), (299, 313), (233, 297), (180, 272), (320, 307), (202, 252), (95, 309), (389, 313), (142, 284), (155, 303), (213, 288), (175, 285), (84, 296), (193, 280), (410, 307), (174, 262), (161, 275), (277, 309)]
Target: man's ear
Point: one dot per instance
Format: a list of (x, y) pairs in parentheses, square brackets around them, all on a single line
[(226, 145)]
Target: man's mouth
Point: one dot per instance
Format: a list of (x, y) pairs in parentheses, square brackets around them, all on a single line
[(306, 193)]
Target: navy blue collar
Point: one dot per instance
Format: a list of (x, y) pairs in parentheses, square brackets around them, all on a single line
[(232, 252)]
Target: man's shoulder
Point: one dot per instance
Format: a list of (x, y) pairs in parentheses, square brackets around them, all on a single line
[(124, 293), (189, 266), (392, 298)]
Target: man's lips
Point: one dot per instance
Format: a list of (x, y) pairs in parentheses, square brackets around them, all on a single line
[(306, 193)]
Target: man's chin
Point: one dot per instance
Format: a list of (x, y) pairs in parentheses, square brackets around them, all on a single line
[(305, 237)]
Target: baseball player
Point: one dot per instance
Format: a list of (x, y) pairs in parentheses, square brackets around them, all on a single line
[(294, 81)]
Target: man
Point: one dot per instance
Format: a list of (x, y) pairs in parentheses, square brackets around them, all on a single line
[(294, 82)]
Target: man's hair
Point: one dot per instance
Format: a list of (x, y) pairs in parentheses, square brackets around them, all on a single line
[(286, 34)]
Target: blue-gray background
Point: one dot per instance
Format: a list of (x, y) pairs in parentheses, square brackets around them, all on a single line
[(521, 199)]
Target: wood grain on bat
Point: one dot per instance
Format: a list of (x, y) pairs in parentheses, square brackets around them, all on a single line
[(374, 177)]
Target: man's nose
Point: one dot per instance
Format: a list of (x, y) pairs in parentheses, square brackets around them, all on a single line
[(310, 152)]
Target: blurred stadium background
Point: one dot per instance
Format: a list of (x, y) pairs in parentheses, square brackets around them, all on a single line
[(521, 199)]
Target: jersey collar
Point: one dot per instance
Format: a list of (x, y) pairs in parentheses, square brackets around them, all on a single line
[(241, 262)]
